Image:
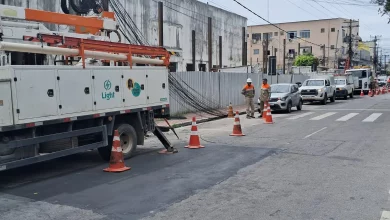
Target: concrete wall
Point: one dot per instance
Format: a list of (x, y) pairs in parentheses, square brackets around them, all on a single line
[(180, 18), (223, 88)]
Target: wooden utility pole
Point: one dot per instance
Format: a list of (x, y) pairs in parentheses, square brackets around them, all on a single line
[(160, 24), (220, 51), (210, 43), (323, 54), (350, 50), (244, 48), (284, 56)]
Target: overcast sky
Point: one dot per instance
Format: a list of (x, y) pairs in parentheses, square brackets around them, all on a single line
[(371, 22)]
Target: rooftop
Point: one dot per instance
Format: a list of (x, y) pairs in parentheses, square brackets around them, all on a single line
[(292, 22)]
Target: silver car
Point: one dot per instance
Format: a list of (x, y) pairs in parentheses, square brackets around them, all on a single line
[(285, 96)]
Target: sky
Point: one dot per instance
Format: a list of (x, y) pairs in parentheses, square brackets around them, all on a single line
[(277, 11)]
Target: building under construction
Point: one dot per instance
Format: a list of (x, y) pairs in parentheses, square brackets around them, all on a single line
[(199, 36)]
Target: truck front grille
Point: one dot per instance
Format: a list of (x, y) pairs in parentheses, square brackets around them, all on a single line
[(309, 92)]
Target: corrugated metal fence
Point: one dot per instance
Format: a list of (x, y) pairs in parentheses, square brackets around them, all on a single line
[(222, 88)]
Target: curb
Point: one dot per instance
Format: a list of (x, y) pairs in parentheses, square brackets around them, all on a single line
[(203, 120)]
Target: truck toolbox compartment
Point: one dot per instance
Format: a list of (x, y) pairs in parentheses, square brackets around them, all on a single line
[(5, 103)]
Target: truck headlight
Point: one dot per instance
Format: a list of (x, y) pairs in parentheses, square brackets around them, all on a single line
[(283, 98), (320, 90)]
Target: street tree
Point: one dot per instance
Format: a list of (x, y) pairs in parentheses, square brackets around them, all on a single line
[(385, 4), (306, 60)]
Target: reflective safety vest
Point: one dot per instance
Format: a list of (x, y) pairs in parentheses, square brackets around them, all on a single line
[(248, 91), (265, 92)]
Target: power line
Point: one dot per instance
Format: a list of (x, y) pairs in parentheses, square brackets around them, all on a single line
[(273, 24), (303, 9)]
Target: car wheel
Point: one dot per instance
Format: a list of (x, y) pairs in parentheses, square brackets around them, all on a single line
[(325, 100), (351, 95), (299, 106), (345, 97), (289, 106), (333, 98)]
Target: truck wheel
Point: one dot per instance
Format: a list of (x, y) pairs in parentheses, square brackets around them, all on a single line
[(325, 100), (128, 138), (351, 95), (333, 98)]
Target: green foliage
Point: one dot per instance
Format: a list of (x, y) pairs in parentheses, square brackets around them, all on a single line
[(385, 4), (306, 60)]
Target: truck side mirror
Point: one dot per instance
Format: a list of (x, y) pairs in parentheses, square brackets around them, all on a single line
[(299, 84)]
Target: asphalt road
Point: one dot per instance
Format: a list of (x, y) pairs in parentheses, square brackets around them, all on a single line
[(324, 162)]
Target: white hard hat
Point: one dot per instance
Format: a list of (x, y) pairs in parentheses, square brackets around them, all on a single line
[(249, 80)]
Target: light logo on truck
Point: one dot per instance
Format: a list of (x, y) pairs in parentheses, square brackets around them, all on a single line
[(108, 95)]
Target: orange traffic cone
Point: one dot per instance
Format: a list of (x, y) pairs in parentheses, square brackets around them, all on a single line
[(361, 92), (383, 90), (388, 90), (117, 163), (265, 110), (378, 92), (370, 93), (230, 111), (194, 142), (237, 126), (268, 118)]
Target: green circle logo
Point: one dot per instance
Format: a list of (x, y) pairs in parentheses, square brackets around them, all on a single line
[(107, 84), (136, 91)]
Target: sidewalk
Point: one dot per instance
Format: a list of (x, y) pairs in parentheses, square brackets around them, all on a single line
[(200, 117)]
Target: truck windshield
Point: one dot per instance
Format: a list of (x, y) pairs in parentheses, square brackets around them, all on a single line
[(339, 81), (280, 88), (314, 83), (359, 73)]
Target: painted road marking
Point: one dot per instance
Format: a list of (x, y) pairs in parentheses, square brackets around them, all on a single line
[(307, 136), (300, 116), (347, 117), (372, 117), (323, 116), (385, 215), (365, 109)]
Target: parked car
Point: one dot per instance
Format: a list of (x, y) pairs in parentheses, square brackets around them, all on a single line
[(344, 86), (285, 96), (319, 88)]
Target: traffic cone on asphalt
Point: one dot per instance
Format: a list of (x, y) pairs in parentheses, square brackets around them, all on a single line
[(361, 93), (194, 142), (117, 163), (268, 118), (237, 126), (230, 111), (378, 92), (370, 93), (383, 90), (265, 110)]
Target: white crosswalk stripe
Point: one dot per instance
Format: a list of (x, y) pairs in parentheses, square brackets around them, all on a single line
[(300, 116), (323, 116), (347, 117), (372, 117)]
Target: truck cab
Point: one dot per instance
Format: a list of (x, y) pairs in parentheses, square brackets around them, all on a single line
[(320, 88), (344, 86), (363, 76)]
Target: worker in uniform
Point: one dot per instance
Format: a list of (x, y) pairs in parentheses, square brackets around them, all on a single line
[(388, 82), (249, 92), (265, 94)]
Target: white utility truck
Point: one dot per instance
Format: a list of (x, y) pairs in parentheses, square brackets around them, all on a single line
[(345, 85), (49, 111), (363, 75), (319, 88)]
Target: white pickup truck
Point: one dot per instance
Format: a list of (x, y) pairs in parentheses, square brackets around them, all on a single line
[(344, 86), (318, 88)]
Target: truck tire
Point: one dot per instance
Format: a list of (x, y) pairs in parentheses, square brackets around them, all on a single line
[(333, 98), (128, 138), (289, 106), (299, 106), (351, 95), (325, 100)]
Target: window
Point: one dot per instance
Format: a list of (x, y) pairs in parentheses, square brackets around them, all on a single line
[(291, 34), (256, 51), (291, 51), (332, 47), (172, 67), (190, 67), (305, 34), (256, 36), (281, 33), (332, 29), (343, 33), (322, 30), (276, 34), (265, 35)]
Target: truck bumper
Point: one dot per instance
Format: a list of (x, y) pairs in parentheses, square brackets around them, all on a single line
[(276, 106), (341, 93), (101, 130), (306, 98)]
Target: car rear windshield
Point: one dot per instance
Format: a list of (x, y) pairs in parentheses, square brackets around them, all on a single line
[(314, 83), (280, 88), (340, 81)]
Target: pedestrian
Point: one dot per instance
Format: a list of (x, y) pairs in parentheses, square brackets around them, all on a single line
[(372, 85), (265, 94), (249, 92)]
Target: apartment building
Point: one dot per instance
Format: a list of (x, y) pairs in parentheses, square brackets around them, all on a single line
[(328, 32)]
